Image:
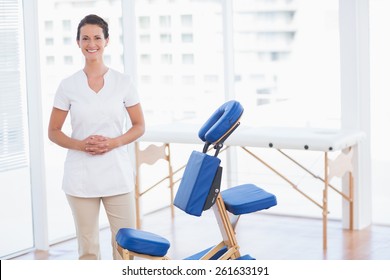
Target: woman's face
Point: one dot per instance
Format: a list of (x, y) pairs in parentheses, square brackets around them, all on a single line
[(92, 42)]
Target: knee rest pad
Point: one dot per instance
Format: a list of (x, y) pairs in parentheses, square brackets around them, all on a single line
[(247, 198), (142, 242)]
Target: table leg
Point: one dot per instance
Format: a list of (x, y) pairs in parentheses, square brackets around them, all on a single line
[(325, 203), (351, 197)]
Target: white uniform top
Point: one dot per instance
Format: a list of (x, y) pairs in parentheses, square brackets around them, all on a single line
[(101, 113)]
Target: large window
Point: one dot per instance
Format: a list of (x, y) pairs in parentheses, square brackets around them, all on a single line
[(180, 72), (380, 132), (179, 47), (286, 66), (287, 62), (15, 189), (286, 59)]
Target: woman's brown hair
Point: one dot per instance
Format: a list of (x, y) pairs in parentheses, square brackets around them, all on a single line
[(96, 20)]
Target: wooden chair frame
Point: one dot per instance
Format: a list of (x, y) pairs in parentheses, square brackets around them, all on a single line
[(150, 155), (229, 239)]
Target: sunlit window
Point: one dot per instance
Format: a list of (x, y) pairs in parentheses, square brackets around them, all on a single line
[(166, 58), (294, 47), (67, 41), (380, 133), (186, 20), (174, 64), (144, 38), (187, 58), (48, 25), (165, 21), (144, 22), (68, 60), (49, 41), (15, 190), (66, 25), (187, 38), (165, 38), (50, 60)]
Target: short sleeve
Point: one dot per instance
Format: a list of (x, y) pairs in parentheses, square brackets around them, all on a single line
[(131, 95), (61, 100)]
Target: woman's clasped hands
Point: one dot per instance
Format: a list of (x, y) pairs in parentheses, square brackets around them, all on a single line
[(97, 145)]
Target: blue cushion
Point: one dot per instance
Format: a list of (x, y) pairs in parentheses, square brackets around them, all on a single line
[(247, 198), (142, 242), (218, 254), (221, 121), (246, 258), (196, 183)]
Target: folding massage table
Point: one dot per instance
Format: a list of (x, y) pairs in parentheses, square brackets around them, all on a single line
[(199, 191), (336, 141)]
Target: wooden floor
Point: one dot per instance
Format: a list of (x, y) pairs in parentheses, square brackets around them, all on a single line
[(263, 236)]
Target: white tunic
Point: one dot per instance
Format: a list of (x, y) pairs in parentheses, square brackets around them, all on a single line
[(101, 113)]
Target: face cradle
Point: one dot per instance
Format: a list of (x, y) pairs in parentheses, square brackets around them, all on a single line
[(92, 41)]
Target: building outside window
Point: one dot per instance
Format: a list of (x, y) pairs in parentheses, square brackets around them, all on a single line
[(165, 21), (67, 25)]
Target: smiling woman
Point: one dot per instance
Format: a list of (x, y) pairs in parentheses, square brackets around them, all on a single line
[(98, 166)]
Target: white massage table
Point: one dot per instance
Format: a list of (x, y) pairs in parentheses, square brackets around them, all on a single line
[(323, 140), (275, 137)]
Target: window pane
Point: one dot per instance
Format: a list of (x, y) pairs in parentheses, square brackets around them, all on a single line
[(144, 22), (172, 69), (66, 25), (166, 58), (144, 38), (15, 190), (186, 20), (380, 132), (165, 21), (187, 38), (180, 78), (165, 38), (286, 58), (187, 58), (48, 25)]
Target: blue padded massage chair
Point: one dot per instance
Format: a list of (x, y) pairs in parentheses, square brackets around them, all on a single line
[(199, 190)]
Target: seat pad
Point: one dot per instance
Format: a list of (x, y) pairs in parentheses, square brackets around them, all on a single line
[(142, 242), (247, 198)]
